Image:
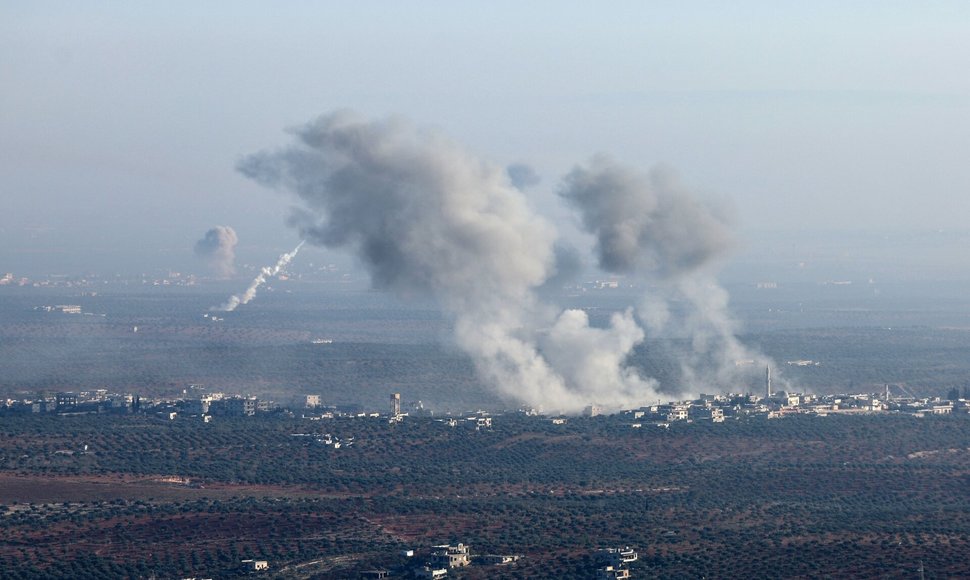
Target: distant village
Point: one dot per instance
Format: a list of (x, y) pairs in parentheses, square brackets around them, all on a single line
[(168, 278), (198, 403), (436, 562)]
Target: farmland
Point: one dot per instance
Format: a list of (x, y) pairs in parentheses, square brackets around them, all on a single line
[(865, 496)]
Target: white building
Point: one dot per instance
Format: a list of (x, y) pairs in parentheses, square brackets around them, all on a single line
[(255, 565), (452, 556)]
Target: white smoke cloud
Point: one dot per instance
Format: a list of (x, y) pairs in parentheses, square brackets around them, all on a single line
[(264, 274), (218, 247), (596, 357), (428, 218)]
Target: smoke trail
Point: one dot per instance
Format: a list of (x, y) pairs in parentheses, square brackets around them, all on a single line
[(267, 272), (218, 247), (428, 218), (651, 226)]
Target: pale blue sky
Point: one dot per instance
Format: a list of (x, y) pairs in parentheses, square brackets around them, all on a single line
[(120, 122)]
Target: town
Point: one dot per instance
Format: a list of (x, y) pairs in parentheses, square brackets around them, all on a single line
[(197, 403)]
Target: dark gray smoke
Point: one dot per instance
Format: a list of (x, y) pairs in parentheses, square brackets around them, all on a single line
[(644, 222), (218, 248), (423, 215), (428, 218)]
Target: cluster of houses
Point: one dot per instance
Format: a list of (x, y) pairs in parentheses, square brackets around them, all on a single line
[(613, 563), (438, 561), (327, 439), (197, 403), (101, 401), (718, 408)]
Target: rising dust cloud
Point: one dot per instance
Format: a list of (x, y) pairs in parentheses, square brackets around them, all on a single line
[(426, 217)]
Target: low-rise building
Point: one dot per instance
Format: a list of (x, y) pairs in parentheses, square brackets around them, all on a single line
[(679, 413), (448, 556), (43, 406), (613, 573), (66, 401), (617, 556), (240, 407), (255, 565), (196, 406)]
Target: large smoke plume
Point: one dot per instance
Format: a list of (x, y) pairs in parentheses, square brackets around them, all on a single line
[(427, 218), (218, 248)]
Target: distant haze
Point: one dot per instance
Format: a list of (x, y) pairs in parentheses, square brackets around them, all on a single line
[(123, 121)]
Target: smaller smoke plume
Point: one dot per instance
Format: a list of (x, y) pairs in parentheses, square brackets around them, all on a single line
[(695, 309), (218, 247), (651, 226), (267, 272)]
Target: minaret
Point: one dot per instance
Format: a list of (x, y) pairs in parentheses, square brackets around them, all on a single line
[(767, 382)]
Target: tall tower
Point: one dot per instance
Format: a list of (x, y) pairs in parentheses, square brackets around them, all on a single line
[(395, 404), (767, 381)]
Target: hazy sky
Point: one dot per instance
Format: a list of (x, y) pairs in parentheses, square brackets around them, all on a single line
[(121, 123)]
